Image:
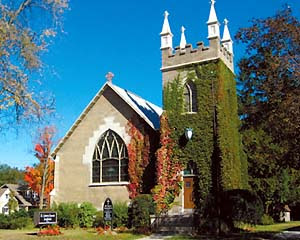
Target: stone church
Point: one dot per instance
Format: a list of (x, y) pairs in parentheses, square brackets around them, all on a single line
[(91, 161)]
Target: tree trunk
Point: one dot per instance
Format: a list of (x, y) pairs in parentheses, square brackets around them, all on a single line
[(43, 184)]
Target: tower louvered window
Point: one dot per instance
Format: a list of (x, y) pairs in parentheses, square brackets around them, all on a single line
[(190, 97), (110, 159)]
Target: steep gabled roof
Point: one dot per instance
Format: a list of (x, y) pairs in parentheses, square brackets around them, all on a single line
[(2, 190), (146, 110), (16, 188)]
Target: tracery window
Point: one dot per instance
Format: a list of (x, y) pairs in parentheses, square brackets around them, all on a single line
[(190, 97), (110, 159)]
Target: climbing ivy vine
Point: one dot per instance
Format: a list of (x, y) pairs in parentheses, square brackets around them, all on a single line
[(215, 147), (168, 170), (138, 154)]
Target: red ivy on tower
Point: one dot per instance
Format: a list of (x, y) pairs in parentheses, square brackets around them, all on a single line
[(168, 169), (138, 153)]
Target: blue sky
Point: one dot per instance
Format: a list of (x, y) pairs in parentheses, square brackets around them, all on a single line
[(123, 37)]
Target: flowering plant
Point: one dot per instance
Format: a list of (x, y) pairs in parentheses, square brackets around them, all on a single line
[(51, 230)]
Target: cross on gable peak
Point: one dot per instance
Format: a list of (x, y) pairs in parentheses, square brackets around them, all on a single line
[(109, 76)]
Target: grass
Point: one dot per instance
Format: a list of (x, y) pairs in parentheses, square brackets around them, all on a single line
[(68, 234), (255, 232), (278, 227)]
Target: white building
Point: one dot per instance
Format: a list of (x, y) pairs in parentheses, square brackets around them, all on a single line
[(5, 192)]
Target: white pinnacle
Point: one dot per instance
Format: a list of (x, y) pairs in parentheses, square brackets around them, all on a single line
[(212, 15), (183, 39), (226, 34), (166, 26), (226, 40)]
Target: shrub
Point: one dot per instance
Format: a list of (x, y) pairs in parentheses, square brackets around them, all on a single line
[(14, 221), (120, 218), (86, 214), (141, 208), (21, 213), (241, 206), (32, 211), (67, 215), (20, 222), (266, 220), (98, 220), (4, 221)]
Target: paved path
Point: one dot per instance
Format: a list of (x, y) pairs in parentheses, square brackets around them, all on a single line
[(156, 236), (288, 235)]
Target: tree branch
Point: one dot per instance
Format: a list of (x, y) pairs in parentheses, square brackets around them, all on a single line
[(21, 8)]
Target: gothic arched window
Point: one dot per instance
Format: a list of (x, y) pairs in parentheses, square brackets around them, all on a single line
[(190, 97), (110, 159)]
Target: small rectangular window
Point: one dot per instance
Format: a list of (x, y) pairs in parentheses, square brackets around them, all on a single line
[(5, 210), (188, 184)]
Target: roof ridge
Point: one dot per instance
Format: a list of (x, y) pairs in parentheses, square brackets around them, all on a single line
[(134, 94)]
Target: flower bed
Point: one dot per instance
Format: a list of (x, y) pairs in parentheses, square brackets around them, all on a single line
[(50, 231)]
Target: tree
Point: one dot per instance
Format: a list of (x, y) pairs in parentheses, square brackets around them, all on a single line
[(270, 80), (263, 168), (12, 202), (41, 177), (10, 175), (26, 29), (269, 88)]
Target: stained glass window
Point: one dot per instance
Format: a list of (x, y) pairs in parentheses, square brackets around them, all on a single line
[(110, 159)]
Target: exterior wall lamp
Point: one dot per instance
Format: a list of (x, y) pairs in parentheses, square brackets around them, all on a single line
[(188, 133)]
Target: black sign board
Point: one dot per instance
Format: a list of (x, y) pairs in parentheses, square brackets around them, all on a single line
[(45, 218), (108, 210)]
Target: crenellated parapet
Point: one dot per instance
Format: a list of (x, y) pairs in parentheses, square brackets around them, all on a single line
[(174, 59), (180, 57)]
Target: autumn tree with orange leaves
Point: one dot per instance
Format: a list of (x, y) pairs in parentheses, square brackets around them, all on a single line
[(41, 177)]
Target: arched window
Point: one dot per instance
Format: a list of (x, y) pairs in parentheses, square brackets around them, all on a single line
[(110, 159), (190, 97)]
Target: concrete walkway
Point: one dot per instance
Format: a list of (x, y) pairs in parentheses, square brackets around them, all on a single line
[(156, 236), (288, 235)]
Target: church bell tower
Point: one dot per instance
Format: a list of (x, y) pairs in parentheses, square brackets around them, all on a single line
[(185, 55), (199, 94)]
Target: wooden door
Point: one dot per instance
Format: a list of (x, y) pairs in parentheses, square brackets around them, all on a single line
[(188, 192)]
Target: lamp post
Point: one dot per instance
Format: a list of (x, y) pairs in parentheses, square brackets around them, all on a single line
[(188, 133)]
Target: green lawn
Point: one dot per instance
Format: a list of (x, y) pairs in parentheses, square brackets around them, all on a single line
[(277, 227), (72, 234), (256, 232)]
